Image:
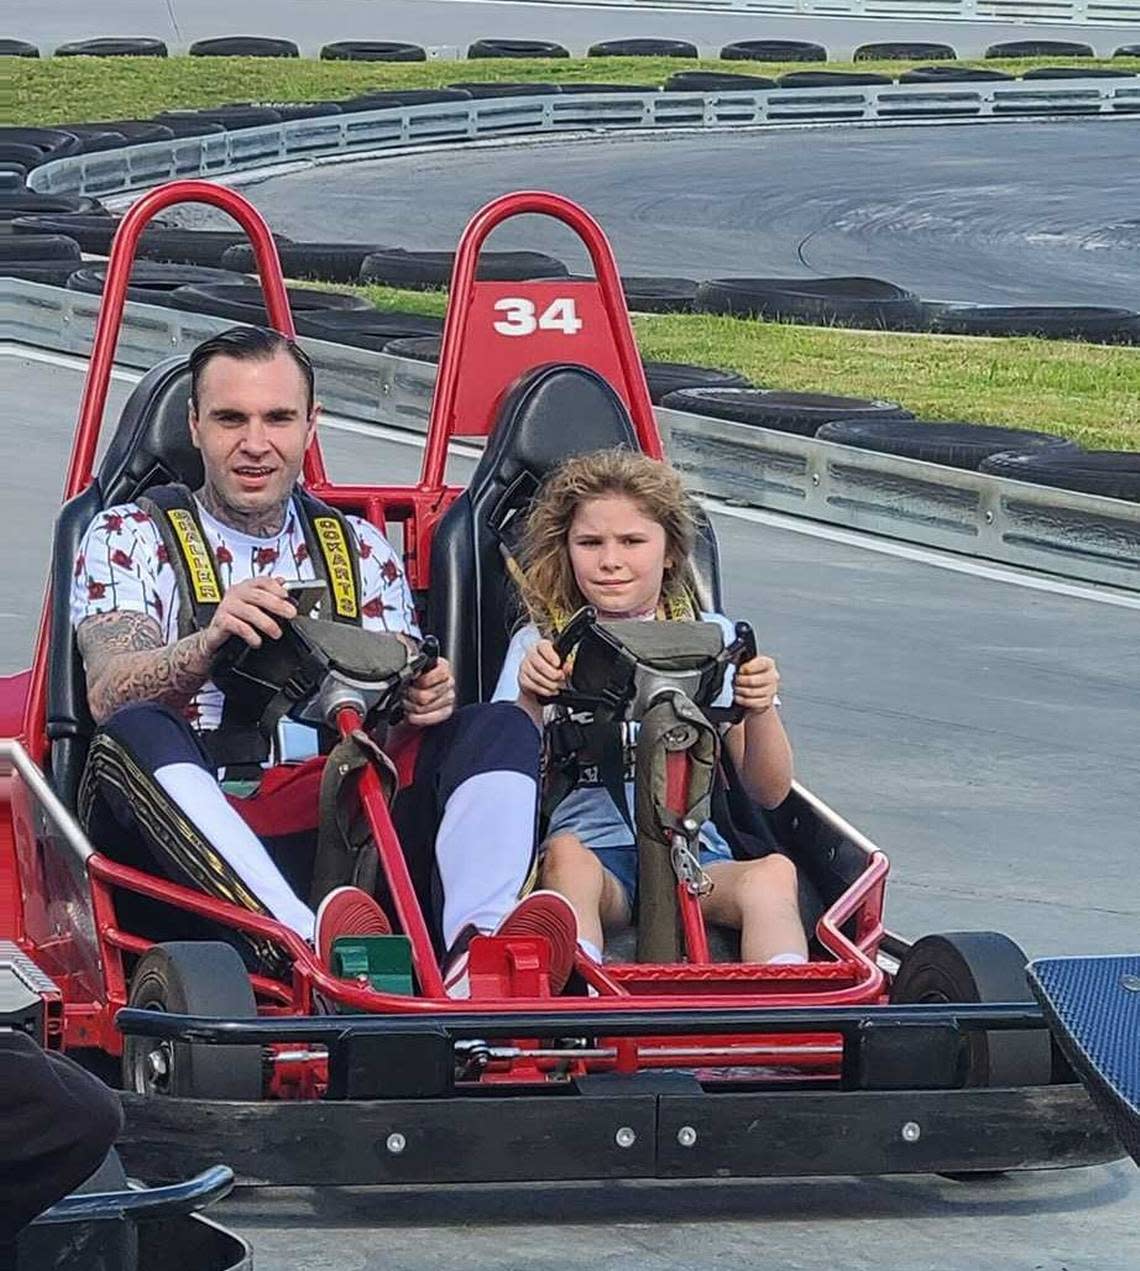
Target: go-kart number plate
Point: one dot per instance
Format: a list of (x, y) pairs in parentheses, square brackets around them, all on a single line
[(521, 316)]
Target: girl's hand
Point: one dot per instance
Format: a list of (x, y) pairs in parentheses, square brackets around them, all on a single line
[(542, 673), (755, 685)]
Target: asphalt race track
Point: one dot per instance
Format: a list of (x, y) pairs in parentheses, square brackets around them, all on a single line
[(985, 735), (1006, 213)]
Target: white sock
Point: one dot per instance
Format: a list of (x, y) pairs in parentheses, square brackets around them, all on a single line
[(788, 959), (590, 948), (484, 849), (197, 793)]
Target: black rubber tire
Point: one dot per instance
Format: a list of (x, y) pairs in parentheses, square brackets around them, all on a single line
[(383, 100), (420, 348), (1039, 48), (92, 139), (242, 301), (645, 294), (832, 79), (664, 378), (26, 203), (188, 124), (48, 272), (870, 303), (135, 132), (904, 50), (957, 443), (151, 283), (202, 977), (1077, 72), (244, 46), (52, 143), (427, 270), (579, 88), (646, 47), (368, 329), (801, 413), (716, 82), (951, 75), (232, 118), (773, 51), (113, 47), (12, 177), (92, 233), (978, 966), (323, 262), (206, 247), (499, 88), (1115, 474), (286, 111), (28, 157), (372, 51), (1128, 50), (516, 48), (45, 247), (18, 48), (1096, 324)]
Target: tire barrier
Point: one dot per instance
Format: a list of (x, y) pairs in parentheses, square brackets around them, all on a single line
[(664, 378), (93, 138), (642, 48), (368, 329), (1095, 324), (832, 79), (952, 75), (1128, 50), (957, 444), (1039, 48), (49, 143), (94, 234), (232, 296), (1115, 474), (644, 294), (322, 262), (420, 348), (383, 99), (12, 177), (516, 48), (231, 118), (580, 87), (113, 48), (49, 273), (800, 413), (857, 302), (28, 203), (1076, 72), (501, 88), (151, 283), (716, 82), (424, 271), (894, 50), (18, 48), (773, 51), (205, 247), (38, 247), (189, 124), (244, 46), (292, 110), (372, 51)]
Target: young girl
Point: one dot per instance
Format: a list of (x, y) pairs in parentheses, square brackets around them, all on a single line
[(613, 529)]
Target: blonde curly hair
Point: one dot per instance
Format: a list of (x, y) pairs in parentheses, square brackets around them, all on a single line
[(549, 590)]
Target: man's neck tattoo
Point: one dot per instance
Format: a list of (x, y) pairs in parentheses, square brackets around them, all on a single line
[(263, 523)]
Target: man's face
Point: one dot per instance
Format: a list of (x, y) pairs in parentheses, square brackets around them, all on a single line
[(253, 426)]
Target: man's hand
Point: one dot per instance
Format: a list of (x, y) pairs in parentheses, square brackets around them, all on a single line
[(755, 685), (249, 610), (430, 698)]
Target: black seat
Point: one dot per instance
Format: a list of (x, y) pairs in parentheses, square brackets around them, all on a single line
[(151, 446), (553, 412)]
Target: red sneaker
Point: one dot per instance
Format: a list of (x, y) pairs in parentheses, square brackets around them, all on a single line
[(542, 913), (347, 911)]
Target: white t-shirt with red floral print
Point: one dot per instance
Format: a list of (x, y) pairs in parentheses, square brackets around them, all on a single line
[(123, 565)]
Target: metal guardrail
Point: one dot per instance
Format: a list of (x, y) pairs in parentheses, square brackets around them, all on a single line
[(136, 167), (1078, 536)]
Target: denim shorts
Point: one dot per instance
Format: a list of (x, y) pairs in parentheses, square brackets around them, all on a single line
[(622, 864)]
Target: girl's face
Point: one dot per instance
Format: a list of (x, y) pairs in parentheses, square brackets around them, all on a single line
[(618, 555)]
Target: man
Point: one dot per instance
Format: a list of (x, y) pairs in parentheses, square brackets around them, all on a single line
[(148, 647)]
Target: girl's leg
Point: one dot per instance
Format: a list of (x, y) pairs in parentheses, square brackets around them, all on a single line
[(570, 868), (761, 899)]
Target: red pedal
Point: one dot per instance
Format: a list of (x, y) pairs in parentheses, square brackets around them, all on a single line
[(508, 966)]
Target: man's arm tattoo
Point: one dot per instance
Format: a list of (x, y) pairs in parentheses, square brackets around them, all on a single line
[(126, 661)]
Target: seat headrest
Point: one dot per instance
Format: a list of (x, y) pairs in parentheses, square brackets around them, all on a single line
[(151, 445)]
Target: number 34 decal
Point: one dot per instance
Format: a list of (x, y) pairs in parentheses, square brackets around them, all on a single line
[(521, 318)]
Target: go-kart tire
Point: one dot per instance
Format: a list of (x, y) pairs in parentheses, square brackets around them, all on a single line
[(978, 966), (232, 296), (244, 46), (869, 303), (905, 51), (372, 51), (1095, 324), (773, 51), (422, 271), (716, 82), (151, 283), (419, 348), (957, 444), (372, 329), (516, 48), (832, 79), (664, 378), (479, 89), (951, 75), (38, 247), (800, 413), (642, 48), (324, 262), (21, 48), (1039, 48), (193, 977), (112, 47), (1114, 474)]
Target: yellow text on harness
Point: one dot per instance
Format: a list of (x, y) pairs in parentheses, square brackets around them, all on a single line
[(199, 567), (338, 562)]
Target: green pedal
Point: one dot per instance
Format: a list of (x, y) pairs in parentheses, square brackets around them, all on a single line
[(384, 961)]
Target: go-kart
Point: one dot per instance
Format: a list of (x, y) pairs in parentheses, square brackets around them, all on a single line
[(877, 1056)]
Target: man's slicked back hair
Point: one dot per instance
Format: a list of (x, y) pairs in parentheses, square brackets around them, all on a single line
[(249, 344)]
